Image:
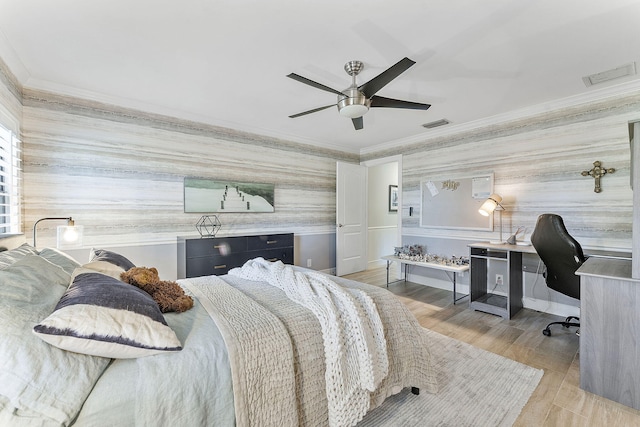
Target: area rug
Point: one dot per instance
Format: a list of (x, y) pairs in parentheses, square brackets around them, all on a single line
[(476, 388)]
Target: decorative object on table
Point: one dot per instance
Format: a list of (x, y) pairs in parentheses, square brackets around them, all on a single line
[(514, 237), (409, 250), (208, 225), (209, 195), (596, 173), (69, 236), (489, 206), (435, 259), (393, 198)]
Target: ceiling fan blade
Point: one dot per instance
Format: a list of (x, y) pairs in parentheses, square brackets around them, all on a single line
[(358, 123), (379, 101), (381, 80), (304, 113), (317, 85)]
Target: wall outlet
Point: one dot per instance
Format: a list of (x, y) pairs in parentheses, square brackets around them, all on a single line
[(499, 280), (309, 263)]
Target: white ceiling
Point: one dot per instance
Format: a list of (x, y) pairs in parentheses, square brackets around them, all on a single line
[(225, 62)]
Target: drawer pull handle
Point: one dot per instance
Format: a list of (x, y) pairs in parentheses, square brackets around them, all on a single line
[(271, 242), (217, 246), (272, 259), (216, 267)]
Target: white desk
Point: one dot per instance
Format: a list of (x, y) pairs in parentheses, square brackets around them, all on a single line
[(434, 265)]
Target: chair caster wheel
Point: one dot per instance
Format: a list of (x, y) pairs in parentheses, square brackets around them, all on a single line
[(546, 332)]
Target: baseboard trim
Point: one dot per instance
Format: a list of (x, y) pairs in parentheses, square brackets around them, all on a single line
[(551, 307)]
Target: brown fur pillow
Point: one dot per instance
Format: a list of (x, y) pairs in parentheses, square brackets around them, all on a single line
[(169, 295)]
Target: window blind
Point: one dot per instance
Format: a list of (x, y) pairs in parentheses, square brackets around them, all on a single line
[(10, 173)]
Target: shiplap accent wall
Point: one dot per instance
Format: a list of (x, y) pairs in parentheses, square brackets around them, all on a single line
[(120, 172), (537, 163)]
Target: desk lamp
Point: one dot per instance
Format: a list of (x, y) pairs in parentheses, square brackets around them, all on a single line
[(489, 206), (69, 236)]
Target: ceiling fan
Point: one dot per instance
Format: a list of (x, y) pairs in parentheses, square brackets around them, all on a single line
[(355, 101)]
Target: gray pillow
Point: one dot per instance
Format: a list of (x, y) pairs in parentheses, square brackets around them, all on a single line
[(9, 257), (59, 258), (102, 316), (111, 257)]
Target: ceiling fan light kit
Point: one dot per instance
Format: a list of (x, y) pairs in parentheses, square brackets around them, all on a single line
[(355, 101), (355, 104)]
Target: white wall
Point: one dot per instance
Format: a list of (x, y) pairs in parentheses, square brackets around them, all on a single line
[(382, 228)]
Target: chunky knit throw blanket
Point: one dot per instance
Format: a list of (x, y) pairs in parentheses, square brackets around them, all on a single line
[(354, 338)]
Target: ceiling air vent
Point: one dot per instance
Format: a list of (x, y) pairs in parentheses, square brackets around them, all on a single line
[(437, 123), (613, 74)]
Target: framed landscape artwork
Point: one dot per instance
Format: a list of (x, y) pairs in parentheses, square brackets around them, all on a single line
[(208, 196)]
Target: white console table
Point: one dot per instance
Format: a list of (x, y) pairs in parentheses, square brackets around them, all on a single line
[(434, 265)]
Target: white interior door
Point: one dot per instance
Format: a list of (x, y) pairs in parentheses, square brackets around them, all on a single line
[(351, 218)]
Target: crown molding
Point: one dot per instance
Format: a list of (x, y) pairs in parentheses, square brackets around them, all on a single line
[(571, 101), (22, 74), (48, 86), (12, 60)]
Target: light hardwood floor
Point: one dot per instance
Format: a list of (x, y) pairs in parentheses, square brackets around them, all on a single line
[(558, 400)]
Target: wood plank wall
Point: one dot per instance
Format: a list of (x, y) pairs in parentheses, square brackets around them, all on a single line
[(120, 172)]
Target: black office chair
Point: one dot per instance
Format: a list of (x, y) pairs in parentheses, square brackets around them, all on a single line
[(562, 255)]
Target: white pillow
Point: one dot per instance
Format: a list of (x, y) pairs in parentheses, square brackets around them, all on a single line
[(9, 257), (102, 316), (38, 381)]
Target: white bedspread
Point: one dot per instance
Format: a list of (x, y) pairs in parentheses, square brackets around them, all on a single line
[(191, 387), (215, 381), (355, 348)]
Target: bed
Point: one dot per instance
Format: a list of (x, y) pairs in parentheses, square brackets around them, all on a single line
[(245, 354)]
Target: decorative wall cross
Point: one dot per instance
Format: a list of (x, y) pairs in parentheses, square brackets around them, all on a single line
[(597, 172)]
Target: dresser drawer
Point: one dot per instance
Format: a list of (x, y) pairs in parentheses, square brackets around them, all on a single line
[(269, 241), (217, 255), (214, 265), (283, 254), (215, 246)]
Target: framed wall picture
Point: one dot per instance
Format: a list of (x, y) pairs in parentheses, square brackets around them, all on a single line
[(212, 196), (393, 198)]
